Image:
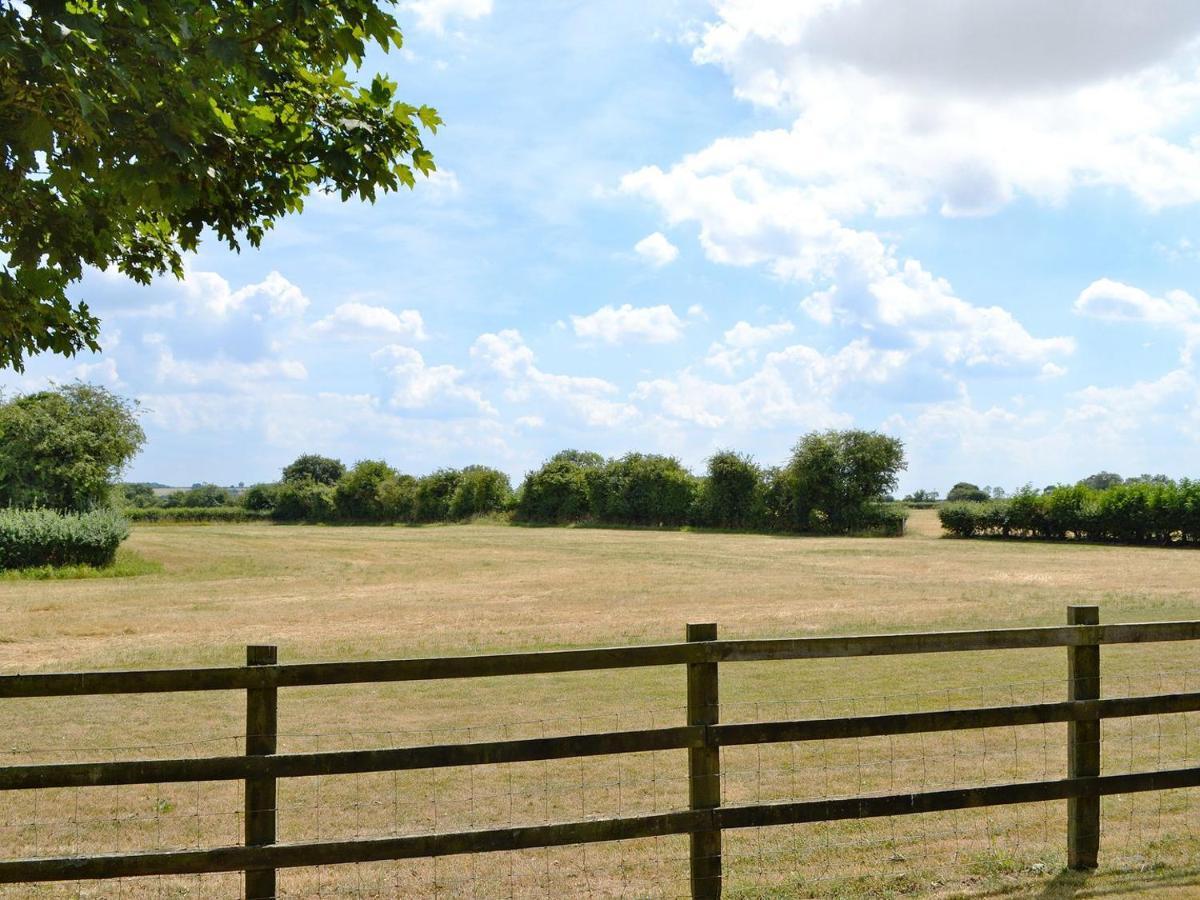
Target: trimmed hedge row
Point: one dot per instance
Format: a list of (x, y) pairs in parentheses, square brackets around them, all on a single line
[(1133, 513), (195, 514), (45, 537)]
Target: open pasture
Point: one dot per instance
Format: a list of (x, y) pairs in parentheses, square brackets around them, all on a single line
[(346, 593)]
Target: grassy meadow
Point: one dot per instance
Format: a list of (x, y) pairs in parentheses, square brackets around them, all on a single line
[(323, 593)]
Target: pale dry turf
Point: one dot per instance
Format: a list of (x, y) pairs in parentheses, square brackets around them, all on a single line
[(353, 593)]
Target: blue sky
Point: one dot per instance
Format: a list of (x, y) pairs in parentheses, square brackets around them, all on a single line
[(684, 226)]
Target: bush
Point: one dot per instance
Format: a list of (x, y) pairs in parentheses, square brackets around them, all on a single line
[(303, 501), (356, 495), (260, 497), (196, 514), (198, 496), (479, 491), (397, 496), (44, 537), (732, 494), (835, 479), (964, 490), (561, 490), (314, 467), (434, 493), (644, 489)]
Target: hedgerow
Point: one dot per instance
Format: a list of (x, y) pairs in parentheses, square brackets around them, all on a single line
[(46, 537), (195, 514), (1129, 513)]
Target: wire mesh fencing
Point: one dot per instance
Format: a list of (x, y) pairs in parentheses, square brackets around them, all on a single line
[(950, 852)]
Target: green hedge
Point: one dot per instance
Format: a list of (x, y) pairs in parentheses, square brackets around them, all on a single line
[(1137, 513), (197, 514), (44, 537)]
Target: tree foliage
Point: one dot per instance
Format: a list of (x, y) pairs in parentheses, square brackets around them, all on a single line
[(127, 129), (314, 467), (836, 477), (964, 490), (356, 495), (64, 448), (732, 494)]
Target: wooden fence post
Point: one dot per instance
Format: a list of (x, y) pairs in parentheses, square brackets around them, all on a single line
[(262, 728), (1083, 744), (704, 767)]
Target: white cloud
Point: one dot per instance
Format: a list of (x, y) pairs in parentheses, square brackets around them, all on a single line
[(615, 325), (739, 345), (1117, 302), (209, 294), (419, 386), (359, 320), (795, 386), (433, 15), (219, 370), (656, 250), (507, 354)]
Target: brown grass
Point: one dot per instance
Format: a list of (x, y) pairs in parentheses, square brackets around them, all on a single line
[(335, 593)]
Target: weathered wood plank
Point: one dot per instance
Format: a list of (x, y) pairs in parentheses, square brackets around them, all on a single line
[(229, 859), (1083, 745), (345, 762), (554, 661), (262, 731), (349, 762)]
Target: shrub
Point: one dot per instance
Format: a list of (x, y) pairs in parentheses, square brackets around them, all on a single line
[(434, 493), (557, 493), (834, 478), (196, 514), (303, 501), (314, 467), (260, 497), (356, 495), (964, 490), (644, 489), (479, 491), (44, 537), (198, 496), (397, 496), (731, 496)]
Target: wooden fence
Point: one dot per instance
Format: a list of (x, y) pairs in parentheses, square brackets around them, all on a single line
[(703, 736)]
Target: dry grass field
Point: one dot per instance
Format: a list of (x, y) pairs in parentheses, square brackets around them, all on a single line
[(340, 593)]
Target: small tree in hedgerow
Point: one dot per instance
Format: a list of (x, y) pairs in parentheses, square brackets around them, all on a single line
[(732, 494), (561, 490), (836, 477), (356, 495), (314, 467), (964, 490), (480, 490)]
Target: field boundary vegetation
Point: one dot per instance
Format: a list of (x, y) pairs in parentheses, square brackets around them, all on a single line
[(703, 816), (836, 482), (1162, 513)]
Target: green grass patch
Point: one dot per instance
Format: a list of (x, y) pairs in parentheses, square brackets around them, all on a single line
[(126, 565)]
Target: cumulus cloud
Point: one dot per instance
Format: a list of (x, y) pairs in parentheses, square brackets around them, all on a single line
[(618, 324), (1114, 301), (433, 15), (209, 293), (656, 249), (739, 345), (795, 386), (359, 320), (507, 354), (420, 386), (226, 372)]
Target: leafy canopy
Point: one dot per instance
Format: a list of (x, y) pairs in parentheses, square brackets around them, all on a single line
[(128, 127), (63, 448)]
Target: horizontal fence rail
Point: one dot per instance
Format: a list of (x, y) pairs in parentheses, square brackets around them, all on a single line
[(703, 738), (233, 678)]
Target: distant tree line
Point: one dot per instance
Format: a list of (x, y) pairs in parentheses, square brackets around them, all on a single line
[(836, 482)]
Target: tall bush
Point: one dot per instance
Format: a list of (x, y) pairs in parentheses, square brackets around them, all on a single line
[(480, 490), (838, 479), (356, 494), (434, 493), (561, 490), (646, 489), (731, 496)]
